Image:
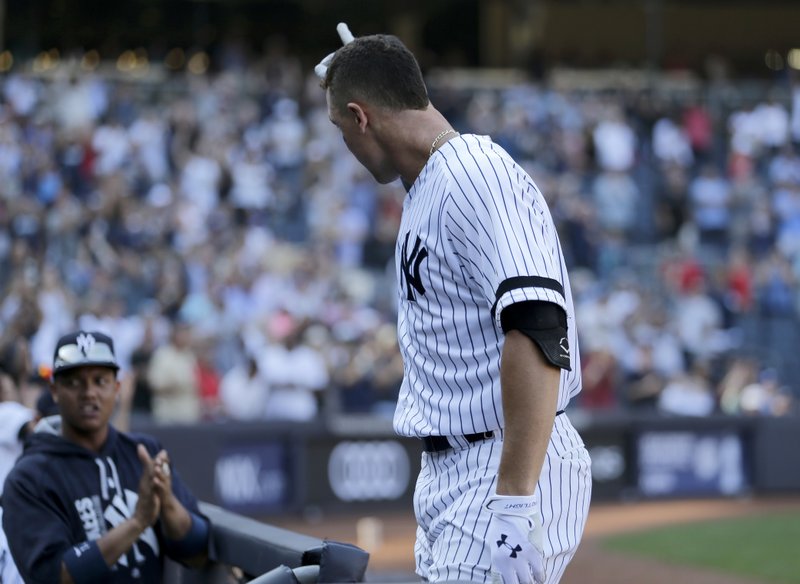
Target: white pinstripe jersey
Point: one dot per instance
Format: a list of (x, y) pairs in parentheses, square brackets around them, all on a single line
[(476, 236)]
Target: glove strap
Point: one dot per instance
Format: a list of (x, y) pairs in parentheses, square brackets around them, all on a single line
[(522, 506)]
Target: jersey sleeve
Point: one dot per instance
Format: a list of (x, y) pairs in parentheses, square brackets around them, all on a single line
[(37, 529), (501, 231)]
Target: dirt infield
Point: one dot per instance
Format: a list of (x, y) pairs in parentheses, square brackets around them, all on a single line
[(389, 538)]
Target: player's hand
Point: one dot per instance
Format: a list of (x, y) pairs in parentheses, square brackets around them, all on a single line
[(344, 33), (162, 477), (175, 519), (148, 507), (515, 539)]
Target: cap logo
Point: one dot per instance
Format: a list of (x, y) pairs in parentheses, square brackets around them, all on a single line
[(83, 348), (85, 343)]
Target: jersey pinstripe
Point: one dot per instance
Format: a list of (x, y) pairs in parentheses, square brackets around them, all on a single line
[(476, 236)]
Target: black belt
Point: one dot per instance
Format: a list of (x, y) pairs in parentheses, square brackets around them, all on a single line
[(439, 443)]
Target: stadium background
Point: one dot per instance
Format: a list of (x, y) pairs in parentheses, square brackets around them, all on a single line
[(169, 176)]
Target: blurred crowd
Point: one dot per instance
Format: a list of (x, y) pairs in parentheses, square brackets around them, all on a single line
[(217, 228)]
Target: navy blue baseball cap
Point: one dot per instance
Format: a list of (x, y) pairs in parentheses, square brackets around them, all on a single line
[(83, 349)]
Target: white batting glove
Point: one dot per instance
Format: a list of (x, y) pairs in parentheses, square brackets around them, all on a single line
[(347, 37), (515, 538)]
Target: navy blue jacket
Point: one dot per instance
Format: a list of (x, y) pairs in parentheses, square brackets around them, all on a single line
[(60, 494)]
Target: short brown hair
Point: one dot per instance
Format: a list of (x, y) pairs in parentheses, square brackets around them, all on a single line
[(377, 69)]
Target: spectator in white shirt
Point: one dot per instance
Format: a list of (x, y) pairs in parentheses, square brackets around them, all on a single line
[(688, 395), (297, 374), (773, 121), (15, 422), (710, 195), (615, 142), (244, 391), (113, 148), (252, 178), (671, 143)]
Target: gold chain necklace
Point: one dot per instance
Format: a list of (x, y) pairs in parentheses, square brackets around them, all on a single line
[(441, 135)]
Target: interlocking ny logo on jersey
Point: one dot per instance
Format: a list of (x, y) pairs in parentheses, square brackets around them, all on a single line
[(410, 264), (113, 505), (514, 549)]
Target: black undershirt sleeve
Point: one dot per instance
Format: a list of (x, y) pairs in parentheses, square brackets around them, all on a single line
[(545, 323)]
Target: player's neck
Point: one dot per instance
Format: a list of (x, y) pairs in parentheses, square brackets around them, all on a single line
[(413, 132), (90, 440)]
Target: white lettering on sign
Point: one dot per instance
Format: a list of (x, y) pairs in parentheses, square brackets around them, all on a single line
[(368, 471), (670, 461), (240, 479), (608, 463)]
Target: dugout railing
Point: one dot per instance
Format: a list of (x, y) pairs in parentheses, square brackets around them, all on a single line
[(246, 550)]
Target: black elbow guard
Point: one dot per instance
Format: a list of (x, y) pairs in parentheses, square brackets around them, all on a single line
[(545, 324)]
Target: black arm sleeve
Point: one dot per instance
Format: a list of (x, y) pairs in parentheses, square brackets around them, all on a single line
[(545, 323)]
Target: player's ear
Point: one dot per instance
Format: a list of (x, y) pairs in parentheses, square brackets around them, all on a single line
[(359, 115)]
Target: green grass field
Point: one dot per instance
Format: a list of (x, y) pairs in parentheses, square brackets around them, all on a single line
[(765, 547)]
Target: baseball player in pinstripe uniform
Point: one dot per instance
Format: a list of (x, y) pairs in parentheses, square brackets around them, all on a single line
[(486, 328)]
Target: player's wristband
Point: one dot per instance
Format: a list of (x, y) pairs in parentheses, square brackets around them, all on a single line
[(523, 506), (194, 543), (86, 565)]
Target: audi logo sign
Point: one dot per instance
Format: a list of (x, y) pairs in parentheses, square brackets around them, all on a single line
[(368, 471), (608, 463)]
